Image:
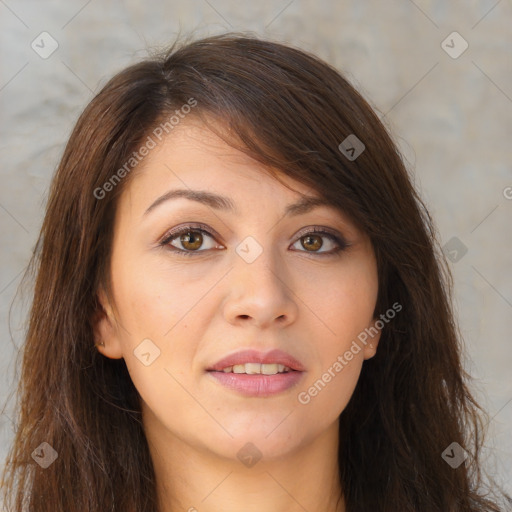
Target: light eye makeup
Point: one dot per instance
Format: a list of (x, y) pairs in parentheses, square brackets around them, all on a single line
[(188, 234)]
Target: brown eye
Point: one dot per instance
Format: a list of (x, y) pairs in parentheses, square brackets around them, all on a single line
[(311, 242), (314, 240), (191, 240)]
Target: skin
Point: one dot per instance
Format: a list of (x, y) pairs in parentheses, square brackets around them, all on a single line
[(201, 308)]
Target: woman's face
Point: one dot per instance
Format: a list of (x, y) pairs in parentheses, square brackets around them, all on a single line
[(257, 279)]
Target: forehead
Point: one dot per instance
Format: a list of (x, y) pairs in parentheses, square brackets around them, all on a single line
[(192, 155), (193, 158)]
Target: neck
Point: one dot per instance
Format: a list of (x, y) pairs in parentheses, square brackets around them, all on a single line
[(193, 479)]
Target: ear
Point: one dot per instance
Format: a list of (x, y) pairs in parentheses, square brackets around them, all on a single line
[(106, 332), (373, 337)]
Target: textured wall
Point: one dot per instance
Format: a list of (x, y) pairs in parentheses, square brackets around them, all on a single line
[(451, 113)]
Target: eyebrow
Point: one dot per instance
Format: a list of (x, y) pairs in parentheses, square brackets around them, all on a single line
[(218, 202)]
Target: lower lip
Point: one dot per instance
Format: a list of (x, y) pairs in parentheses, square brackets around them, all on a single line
[(258, 385)]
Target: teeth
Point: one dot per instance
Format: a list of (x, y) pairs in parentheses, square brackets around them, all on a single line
[(251, 368), (257, 368)]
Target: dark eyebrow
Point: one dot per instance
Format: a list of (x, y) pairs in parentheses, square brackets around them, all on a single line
[(303, 205)]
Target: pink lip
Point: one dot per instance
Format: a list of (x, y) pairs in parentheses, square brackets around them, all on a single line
[(275, 356), (258, 385)]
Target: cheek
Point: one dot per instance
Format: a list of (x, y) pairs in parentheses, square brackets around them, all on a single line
[(165, 397), (345, 303), (330, 386), (345, 310), (162, 324), (150, 301)]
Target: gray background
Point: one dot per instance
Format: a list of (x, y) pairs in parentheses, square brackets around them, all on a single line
[(452, 118)]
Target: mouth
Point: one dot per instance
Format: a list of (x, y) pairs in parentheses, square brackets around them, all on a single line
[(252, 362), (256, 369), (251, 373)]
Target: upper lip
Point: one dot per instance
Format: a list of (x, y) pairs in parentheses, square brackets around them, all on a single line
[(275, 356)]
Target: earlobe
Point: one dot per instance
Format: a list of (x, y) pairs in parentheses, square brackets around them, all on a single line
[(370, 348), (106, 339)]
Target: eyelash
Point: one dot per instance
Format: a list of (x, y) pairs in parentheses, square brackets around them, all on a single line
[(201, 228)]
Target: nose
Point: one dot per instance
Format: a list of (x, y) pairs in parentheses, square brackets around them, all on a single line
[(261, 293)]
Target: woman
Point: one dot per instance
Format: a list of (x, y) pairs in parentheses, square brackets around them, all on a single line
[(240, 304)]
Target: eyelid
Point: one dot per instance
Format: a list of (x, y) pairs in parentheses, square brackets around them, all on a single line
[(333, 234), (320, 229)]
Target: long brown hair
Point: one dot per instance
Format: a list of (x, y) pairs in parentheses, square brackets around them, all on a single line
[(290, 111)]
